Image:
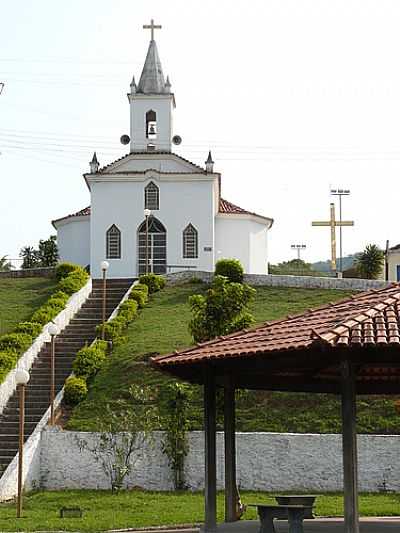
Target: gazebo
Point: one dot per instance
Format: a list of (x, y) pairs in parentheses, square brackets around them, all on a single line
[(348, 347)]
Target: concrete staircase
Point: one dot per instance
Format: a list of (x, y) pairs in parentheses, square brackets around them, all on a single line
[(80, 331)]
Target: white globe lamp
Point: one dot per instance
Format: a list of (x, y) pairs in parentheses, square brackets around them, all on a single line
[(21, 376), (104, 265), (147, 213), (53, 330)]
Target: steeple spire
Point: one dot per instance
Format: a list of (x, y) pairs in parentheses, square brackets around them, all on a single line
[(94, 164), (152, 79)]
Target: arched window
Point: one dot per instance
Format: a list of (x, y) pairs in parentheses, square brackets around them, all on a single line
[(151, 124), (113, 243), (151, 197), (190, 242)]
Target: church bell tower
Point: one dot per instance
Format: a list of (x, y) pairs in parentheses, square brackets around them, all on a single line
[(151, 104)]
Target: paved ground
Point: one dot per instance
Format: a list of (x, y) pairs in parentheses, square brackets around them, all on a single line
[(374, 525)]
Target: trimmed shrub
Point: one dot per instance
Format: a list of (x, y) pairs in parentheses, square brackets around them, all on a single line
[(58, 299), (153, 282), (231, 269), (64, 269), (75, 390), (44, 315), (74, 281), (7, 360), (112, 329), (140, 297), (128, 310), (142, 288), (29, 328), (89, 360), (17, 342)]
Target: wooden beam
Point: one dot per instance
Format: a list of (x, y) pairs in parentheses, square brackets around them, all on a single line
[(210, 428), (350, 474), (230, 451)]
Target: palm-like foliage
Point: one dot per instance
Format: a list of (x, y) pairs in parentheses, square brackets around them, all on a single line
[(5, 265), (370, 262)]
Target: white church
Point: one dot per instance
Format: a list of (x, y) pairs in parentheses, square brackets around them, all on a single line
[(152, 192)]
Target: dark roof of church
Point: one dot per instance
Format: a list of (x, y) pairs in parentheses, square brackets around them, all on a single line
[(152, 79), (224, 207), (155, 152)]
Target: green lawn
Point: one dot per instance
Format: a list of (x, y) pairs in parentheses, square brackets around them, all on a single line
[(103, 510), (162, 327), (20, 297)]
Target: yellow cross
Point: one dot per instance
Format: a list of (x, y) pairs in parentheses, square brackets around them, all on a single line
[(152, 27), (332, 223)]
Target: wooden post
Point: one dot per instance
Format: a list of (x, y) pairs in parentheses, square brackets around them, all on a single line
[(351, 519), (147, 244), (21, 389), (230, 451), (210, 488), (52, 379)]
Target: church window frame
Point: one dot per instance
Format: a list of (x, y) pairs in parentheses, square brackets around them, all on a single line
[(113, 242), (190, 239), (152, 197)]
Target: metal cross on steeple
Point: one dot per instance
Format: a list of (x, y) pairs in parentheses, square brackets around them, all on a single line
[(332, 223), (152, 27)]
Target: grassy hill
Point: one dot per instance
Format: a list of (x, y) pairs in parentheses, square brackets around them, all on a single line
[(20, 297), (162, 328)]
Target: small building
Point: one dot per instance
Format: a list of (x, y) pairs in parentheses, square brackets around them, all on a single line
[(393, 263), (153, 210)]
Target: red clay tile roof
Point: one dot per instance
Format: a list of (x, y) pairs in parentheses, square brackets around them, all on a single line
[(82, 213), (370, 318), (224, 207)]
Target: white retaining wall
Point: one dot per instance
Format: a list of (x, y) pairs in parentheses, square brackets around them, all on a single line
[(265, 461), (272, 280)]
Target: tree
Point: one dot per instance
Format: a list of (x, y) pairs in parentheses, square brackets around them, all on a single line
[(124, 430), (223, 310), (48, 252), (369, 263), (294, 266), (45, 256), (29, 256), (5, 265), (174, 409)]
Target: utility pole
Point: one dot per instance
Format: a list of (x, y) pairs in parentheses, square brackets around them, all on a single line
[(299, 248), (1, 86)]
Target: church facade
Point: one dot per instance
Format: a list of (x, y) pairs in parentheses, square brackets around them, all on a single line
[(153, 210)]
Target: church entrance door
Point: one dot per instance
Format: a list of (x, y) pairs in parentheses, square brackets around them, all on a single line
[(156, 247)]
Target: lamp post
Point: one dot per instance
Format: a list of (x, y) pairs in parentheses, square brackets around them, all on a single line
[(53, 330), (21, 379), (104, 267), (299, 248), (147, 213), (340, 193)]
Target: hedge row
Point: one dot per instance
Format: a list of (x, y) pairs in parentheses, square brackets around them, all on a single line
[(70, 278), (90, 359)]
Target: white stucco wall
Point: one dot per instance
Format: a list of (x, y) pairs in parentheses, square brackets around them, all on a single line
[(393, 261), (243, 239), (122, 203), (265, 461), (140, 105), (73, 240)]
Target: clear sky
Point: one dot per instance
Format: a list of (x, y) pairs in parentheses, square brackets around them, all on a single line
[(292, 96)]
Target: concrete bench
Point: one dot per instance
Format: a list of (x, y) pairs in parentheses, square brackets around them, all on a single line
[(307, 500), (293, 513)]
